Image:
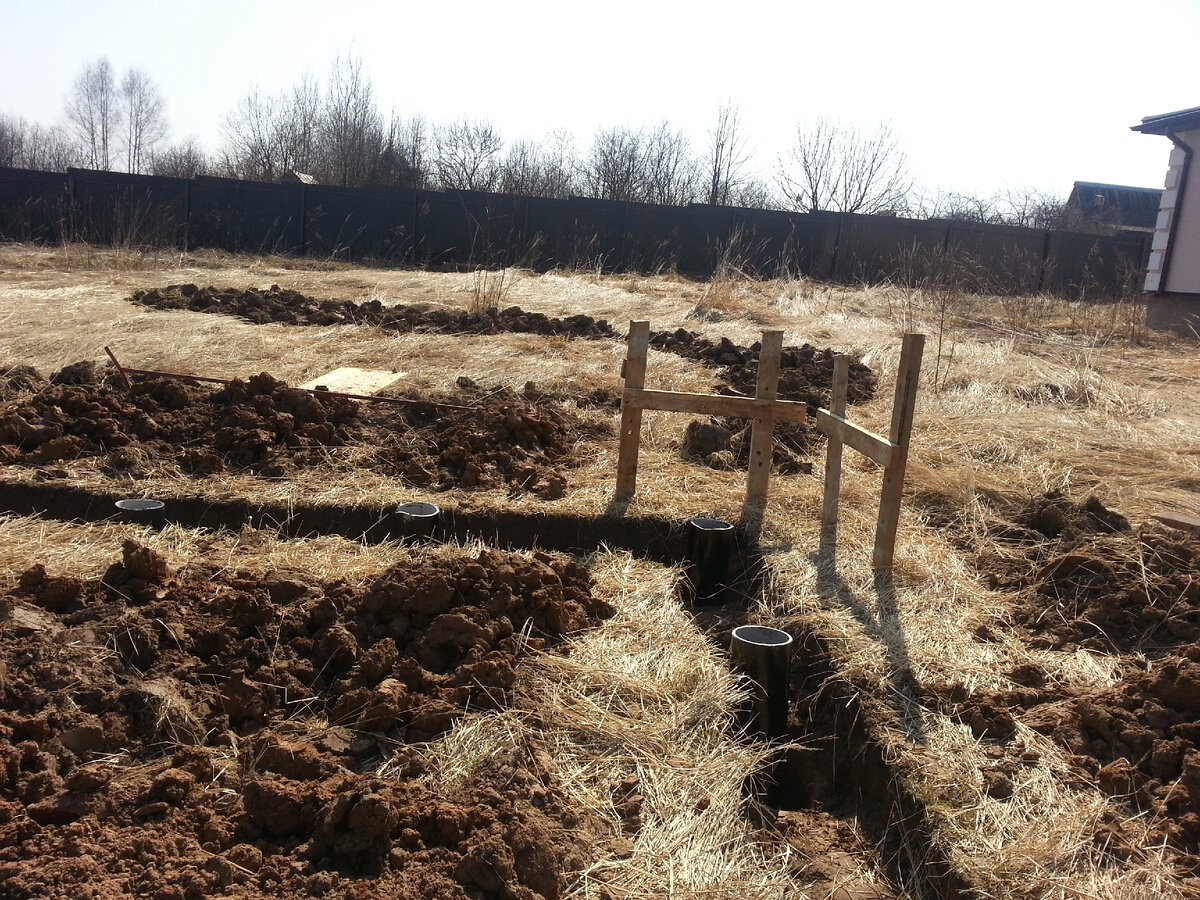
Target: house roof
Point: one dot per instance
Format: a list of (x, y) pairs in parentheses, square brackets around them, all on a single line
[(1164, 123), (1116, 204)]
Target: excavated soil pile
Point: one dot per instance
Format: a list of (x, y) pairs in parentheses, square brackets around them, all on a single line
[(805, 376), (1085, 579), (188, 734), (265, 427), (805, 372), (278, 304)]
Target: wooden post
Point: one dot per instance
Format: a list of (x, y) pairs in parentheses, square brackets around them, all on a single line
[(833, 449), (634, 372), (901, 431), (762, 434)]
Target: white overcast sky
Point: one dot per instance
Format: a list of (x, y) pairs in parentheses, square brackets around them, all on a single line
[(984, 95)]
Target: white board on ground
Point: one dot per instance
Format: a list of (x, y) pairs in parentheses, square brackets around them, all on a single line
[(349, 380)]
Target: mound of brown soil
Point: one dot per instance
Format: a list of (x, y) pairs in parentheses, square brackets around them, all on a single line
[(1130, 592), (263, 426), (805, 372), (185, 734), (1138, 741), (278, 304)]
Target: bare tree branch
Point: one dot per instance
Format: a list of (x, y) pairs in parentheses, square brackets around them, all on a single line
[(844, 169), (143, 117), (727, 156), (93, 113), (466, 155)]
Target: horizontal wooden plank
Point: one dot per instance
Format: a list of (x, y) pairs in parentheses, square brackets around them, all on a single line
[(867, 443), (716, 405), (1182, 521)]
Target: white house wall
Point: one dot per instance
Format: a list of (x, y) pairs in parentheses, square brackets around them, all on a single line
[(1183, 276)]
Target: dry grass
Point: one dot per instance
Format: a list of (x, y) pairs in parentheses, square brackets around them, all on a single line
[(644, 701), (1029, 394)]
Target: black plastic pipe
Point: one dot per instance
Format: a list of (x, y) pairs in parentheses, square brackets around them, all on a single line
[(143, 512), (418, 520), (710, 551), (764, 655)]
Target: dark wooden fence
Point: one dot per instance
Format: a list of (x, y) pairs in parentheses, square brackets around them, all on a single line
[(462, 229)]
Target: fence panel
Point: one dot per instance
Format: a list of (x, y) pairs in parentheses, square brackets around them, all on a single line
[(354, 223), (1005, 259), (34, 206), (873, 249), (786, 242), (461, 229), (577, 233), (1094, 267), (123, 210), (464, 228), (247, 216)]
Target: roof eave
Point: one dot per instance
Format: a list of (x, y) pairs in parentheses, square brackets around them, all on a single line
[(1166, 123)]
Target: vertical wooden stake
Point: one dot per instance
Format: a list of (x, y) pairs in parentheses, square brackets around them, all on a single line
[(634, 372), (833, 448), (762, 436), (901, 431)]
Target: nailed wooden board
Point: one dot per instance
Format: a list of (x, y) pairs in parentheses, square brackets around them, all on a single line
[(349, 380), (1181, 521)]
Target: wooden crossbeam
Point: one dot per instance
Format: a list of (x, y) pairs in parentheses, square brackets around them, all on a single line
[(890, 452), (865, 442), (716, 405), (764, 408)]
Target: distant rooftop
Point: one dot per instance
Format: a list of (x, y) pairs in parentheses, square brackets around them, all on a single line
[(1116, 204), (1165, 123)]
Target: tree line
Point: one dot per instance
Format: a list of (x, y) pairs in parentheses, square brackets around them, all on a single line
[(333, 131)]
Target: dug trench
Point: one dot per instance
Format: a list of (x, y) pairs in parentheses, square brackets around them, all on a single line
[(839, 805), (833, 795)]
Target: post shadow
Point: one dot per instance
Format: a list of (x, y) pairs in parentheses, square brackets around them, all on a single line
[(881, 623)]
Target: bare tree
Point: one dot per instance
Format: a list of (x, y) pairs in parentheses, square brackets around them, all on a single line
[(669, 171), (351, 127), (93, 113), (264, 137), (727, 157), (251, 146), (1023, 207), (183, 160), (845, 169), (466, 155), (614, 167), (401, 160), (540, 169), (298, 126), (143, 119), (1031, 208), (28, 145)]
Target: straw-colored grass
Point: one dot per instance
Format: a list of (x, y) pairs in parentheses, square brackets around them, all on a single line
[(644, 699), (1025, 395)]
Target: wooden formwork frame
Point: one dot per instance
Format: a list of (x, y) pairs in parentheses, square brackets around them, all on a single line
[(765, 409), (890, 452)]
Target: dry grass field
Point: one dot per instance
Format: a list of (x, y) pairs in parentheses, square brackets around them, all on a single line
[(1008, 714)]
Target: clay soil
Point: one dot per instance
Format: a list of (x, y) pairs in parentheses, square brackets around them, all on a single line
[(185, 734), (806, 372), (290, 307), (1085, 579), (470, 438)]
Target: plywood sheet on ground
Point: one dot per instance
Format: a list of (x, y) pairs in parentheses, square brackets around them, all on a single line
[(350, 380)]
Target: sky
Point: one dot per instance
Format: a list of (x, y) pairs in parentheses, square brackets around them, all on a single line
[(984, 96)]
